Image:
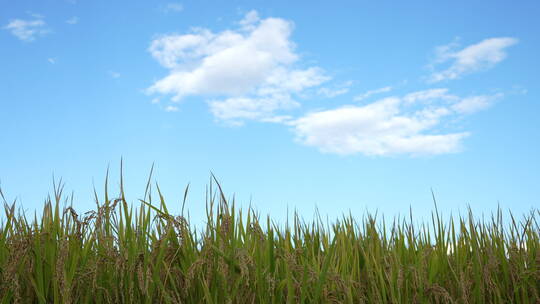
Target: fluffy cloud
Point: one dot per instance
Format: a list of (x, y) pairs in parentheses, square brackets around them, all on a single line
[(27, 30), (249, 73), (390, 126), (253, 72), (476, 57)]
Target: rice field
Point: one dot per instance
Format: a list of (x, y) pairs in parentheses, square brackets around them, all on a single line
[(125, 253)]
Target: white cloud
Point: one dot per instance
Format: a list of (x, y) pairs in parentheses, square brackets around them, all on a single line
[(430, 94), (73, 20), (519, 90), (236, 109), (253, 72), (475, 103), (281, 119), (330, 93), (35, 15), (173, 7), (27, 30), (249, 72), (114, 74), (250, 20), (473, 58), (390, 126), (372, 92), (340, 89), (51, 60), (171, 109)]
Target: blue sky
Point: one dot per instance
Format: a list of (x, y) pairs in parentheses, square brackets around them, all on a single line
[(345, 107)]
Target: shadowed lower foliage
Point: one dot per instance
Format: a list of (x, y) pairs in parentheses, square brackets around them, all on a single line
[(118, 254)]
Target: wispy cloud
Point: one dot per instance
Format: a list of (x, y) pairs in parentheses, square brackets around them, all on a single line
[(35, 15), (171, 109), (114, 74), (330, 93), (473, 58), (519, 90), (73, 20), (27, 30), (51, 60), (429, 95), (172, 7), (475, 104), (248, 72), (390, 126), (234, 110), (372, 92), (337, 90)]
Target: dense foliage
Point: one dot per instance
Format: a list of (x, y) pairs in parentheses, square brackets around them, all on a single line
[(118, 254)]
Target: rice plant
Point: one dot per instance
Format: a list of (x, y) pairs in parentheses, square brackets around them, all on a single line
[(123, 253)]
